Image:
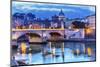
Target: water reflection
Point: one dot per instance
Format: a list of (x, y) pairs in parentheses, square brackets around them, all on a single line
[(59, 52)]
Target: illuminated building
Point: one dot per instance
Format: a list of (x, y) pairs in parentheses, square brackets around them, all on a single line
[(90, 26), (36, 26)]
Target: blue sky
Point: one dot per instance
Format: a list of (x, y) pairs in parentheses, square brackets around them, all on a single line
[(44, 10)]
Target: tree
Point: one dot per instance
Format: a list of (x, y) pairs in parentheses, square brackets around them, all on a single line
[(78, 24)]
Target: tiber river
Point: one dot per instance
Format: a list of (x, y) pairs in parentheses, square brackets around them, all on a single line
[(59, 52)]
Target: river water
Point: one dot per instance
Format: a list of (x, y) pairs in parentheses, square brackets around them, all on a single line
[(60, 52)]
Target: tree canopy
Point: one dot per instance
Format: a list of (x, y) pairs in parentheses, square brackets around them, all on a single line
[(78, 24)]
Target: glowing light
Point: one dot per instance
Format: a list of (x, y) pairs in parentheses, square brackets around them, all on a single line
[(89, 31), (76, 30), (23, 48), (53, 50), (30, 57), (18, 53), (89, 51)]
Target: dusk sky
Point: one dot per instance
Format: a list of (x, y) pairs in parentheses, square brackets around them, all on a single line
[(44, 10)]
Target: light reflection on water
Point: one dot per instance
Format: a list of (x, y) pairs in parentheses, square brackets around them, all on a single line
[(59, 52)]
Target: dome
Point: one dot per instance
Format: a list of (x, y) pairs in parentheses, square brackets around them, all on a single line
[(61, 13)]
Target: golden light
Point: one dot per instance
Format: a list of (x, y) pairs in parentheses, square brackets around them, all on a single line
[(23, 48), (89, 31), (89, 51)]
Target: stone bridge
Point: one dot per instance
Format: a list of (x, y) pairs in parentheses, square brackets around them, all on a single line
[(42, 33)]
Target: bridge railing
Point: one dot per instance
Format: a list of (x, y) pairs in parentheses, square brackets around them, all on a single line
[(35, 29)]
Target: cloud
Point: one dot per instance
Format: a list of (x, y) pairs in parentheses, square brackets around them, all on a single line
[(44, 9), (27, 6), (39, 6), (92, 9), (36, 4), (84, 7)]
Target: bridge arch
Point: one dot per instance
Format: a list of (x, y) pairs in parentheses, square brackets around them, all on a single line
[(55, 35), (23, 38), (33, 34), (30, 37), (16, 35)]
